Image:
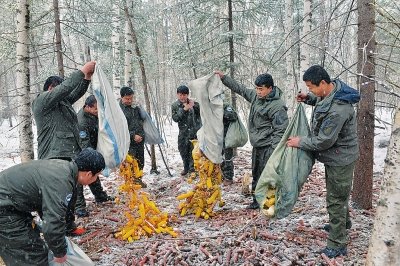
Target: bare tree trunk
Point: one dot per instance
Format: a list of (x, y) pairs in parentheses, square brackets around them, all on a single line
[(384, 244), (144, 81), (231, 53), (128, 56), (23, 83), (305, 48), (60, 62), (363, 176), (289, 83), (116, 50)]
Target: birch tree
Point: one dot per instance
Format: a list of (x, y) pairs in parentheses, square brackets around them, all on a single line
[(305, 47), (116, 49), (23, 80), (58, 47), (384, 243), (128, 55), (289, 82)]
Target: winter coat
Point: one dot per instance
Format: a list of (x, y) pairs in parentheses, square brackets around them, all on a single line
[(268, 118), (56, 121), (189, 122), (229, 116), (135, 121), (88, 129), (334, 138), (45, 186)]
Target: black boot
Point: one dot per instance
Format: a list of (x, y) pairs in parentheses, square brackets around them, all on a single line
[(254, 205)]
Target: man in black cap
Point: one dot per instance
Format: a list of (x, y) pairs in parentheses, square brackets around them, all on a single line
[(49, 188), (131, 111), (186, 112)]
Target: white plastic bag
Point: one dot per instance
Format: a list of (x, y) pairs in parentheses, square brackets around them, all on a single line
[(151, 133), (75, 256), (113, 137), (207, 91)]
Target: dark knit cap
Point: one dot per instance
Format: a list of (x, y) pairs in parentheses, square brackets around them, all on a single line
[(90, 101), (126, 91), (52, 81), (182, 89), (90, 160)]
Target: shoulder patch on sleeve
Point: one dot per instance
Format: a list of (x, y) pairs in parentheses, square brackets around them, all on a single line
[(82, 134), (68, 199), (328, 128)]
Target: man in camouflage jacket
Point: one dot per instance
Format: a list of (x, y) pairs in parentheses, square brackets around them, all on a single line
[(334, 142), (47, 187), (56, 120), (268, 121), (88, 132), (186, 112), (135, 126)]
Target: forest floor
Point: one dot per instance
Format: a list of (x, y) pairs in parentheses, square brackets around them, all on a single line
[(234, 236)]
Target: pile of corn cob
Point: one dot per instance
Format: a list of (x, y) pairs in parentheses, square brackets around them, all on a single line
[(269, 205), (145, 218), (202, 199)]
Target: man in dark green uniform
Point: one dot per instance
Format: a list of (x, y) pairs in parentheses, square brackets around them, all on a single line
[(57, 123), (131, 111), (268, 121), (227, 165), (49, 188), (334, 142), (88, 131), (186, 112)]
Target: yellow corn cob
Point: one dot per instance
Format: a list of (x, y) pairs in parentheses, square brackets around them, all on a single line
[(186, 195)]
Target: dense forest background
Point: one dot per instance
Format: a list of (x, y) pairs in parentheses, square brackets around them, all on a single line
[(182, 40), (156, 45)]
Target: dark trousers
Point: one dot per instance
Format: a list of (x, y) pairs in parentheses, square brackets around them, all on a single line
[(20, 244), (339, 180), (185, 148), (136, 150), (227, 164), (259, 159), (97, 191)]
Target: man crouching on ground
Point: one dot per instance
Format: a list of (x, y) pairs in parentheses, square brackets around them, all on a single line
[(48, 187)]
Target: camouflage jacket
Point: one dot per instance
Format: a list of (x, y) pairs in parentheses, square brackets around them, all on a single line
[(45, 186), (268, 117), (188, 121), (334, 138), (56, 120), (230, 115), (135, 121), (88, 129)]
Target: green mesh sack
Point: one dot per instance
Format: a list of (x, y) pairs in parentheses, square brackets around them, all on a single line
[(286, 170), (236, 136)]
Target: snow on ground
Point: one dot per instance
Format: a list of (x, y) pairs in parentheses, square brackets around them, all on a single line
[(246, 235)]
